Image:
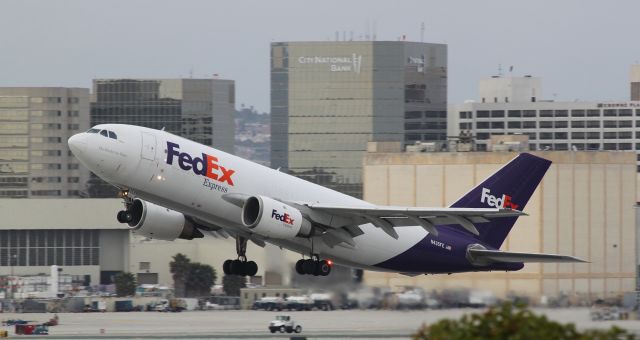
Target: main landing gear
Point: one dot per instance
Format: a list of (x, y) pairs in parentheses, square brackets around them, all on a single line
[(240, 266), (313, 266)]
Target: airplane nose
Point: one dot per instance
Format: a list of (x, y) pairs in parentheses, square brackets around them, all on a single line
[(76, 144)]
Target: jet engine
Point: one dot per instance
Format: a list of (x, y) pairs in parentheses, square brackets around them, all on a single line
[(270, 218), (157, 222)]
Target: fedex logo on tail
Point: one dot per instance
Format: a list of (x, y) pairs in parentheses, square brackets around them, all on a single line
[(493, 201), (286, 218), (206, 165)]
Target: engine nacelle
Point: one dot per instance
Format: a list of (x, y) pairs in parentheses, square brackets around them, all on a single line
[(157, 222), (270, 218)]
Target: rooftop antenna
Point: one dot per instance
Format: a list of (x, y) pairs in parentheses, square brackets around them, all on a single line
[(500, 70), (191, 73), (422, 32), (375, 28), (366, 30)]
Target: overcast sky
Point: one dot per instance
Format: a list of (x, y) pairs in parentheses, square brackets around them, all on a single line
[(581, 49)]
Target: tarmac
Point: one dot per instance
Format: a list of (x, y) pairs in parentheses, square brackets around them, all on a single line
[(342, 324)]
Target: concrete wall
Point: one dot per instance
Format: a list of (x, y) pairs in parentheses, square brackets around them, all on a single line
[(583, 207)]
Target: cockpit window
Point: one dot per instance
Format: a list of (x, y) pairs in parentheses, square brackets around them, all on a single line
[(93, 131), (104, 133), (112, 135)]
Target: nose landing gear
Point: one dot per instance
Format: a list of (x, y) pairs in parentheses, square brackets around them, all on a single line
[(240, 266), (313, 266)]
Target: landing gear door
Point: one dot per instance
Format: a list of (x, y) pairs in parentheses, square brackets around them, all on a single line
[(148, 146)]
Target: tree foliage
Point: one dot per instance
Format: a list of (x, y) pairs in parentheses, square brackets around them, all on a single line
[(125, 284), (231, 284), (200, 278), (191, 278), (511, 322)]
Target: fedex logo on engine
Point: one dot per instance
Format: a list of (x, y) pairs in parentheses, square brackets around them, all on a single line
[(502, 202), (206, 166), (286, 218)]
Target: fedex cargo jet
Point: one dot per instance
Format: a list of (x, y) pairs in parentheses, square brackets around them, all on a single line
[(175, 188)]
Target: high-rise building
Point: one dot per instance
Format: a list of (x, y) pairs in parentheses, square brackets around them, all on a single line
[(550, 125), (198, 109), (35, 123), (328, 99), (634, 82)]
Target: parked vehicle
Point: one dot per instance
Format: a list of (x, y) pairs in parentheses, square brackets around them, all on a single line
[(171, 305), (284, 323), (269, 303)]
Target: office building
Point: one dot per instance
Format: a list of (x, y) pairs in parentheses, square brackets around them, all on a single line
[(550, 125), (584, 207), (201, 110), (328, 99), (35, 123)]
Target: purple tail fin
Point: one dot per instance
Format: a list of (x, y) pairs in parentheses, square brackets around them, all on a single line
[(509, 187)]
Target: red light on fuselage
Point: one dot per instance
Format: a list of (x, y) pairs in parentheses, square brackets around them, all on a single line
[(329, 262)]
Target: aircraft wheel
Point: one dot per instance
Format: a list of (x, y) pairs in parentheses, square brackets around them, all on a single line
[(226, 267), (309, 266), (250, 268), (324, 268), (299, 267), (237, 267)]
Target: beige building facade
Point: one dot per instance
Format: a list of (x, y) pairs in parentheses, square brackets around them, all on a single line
[(35, 123), (585, 207)]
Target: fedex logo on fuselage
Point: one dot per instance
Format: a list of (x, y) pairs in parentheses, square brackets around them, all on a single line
[(286, 218), (206, 166), (502, 202)]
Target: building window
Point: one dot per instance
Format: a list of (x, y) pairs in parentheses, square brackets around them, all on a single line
[(610, 135), (624, 135), (482, 125), (497, 114), (578, 135), (465, 126), (144, 265), (560, 135), (610, 124), (610, 113), (413, 114), (497, 125), (578, 124), (528, 125), (593, 113), (624, 146), (593, 135), (610, 146), (624, 113), (546, 124), (577, 113), (562, 113), (593, 124), (482, 114), (625, 123), (561, 146), (546, 113), (561, 124), (546, 135), (514, 125), (528, 113), (515, 113)]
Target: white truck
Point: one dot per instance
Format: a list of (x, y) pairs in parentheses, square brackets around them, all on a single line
[(284, 323)]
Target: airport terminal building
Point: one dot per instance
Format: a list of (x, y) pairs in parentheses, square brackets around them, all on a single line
[(328, 99), (584, 207)]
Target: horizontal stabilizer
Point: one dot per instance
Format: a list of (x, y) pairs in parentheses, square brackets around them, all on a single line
[(485, 256)]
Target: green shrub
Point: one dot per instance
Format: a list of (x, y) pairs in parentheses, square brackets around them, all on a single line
[(513, 322)]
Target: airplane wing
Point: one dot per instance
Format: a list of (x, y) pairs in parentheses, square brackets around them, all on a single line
[(486, 256), (342, 222), (389, 217)]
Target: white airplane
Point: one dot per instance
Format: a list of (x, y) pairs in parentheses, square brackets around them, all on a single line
[(175, 188)]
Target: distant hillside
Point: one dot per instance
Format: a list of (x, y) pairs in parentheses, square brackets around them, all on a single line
[(253, 135)]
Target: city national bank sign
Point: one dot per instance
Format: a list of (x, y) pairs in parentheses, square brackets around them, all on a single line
[(351, 63)]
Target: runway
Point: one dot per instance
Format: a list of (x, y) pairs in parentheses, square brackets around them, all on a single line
[(253, 324)]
